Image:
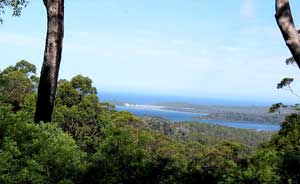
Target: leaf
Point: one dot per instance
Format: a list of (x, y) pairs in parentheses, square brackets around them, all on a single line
[(276, 107), (290, 60), (285, 82)]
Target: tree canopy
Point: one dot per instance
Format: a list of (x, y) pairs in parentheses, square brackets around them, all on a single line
[(90, 142), (15, 5)]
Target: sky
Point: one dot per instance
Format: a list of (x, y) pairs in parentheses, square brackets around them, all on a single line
[(229, 49)]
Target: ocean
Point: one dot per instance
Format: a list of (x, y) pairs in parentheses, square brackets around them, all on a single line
[(157, 99), (176, 116), (146, 108)]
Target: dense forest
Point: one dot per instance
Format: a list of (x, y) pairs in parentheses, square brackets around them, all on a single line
[(208, 134), (90, 142)]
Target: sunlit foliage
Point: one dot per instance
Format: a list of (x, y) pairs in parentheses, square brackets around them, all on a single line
[(89, 142)]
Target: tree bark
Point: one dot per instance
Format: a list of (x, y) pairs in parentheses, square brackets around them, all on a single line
[(287, 27), (52, 58)]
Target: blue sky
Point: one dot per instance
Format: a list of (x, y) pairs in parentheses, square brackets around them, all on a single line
[(201, 48)]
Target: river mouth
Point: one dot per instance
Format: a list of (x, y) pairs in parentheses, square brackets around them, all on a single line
[(179, 116)]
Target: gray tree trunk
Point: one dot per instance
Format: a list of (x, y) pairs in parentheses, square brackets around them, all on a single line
[(287, 27), (52, 58)]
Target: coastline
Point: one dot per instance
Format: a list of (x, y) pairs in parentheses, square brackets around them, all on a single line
[(177, 115)]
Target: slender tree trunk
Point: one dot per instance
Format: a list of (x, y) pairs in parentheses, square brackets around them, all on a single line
[(287, 27), (52, 58)]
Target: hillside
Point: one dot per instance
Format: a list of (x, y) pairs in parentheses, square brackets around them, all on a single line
[(203, 133)]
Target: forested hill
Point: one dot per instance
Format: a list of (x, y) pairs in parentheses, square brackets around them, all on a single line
[(208, 134), (90, 142)]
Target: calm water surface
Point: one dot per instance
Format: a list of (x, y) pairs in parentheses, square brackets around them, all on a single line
[(176, 116)]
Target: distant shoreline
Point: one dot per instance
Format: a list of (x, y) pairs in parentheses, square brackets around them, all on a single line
[(246, 114), (153, 99), (205, 114)]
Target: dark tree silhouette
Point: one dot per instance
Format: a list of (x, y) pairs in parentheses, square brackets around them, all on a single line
[(52, 58)]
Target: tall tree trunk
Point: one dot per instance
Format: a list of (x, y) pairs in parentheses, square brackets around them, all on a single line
[(52, 58), (287, 27)]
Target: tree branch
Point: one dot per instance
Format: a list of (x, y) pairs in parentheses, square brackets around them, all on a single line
[(287, 27), (292, 91)]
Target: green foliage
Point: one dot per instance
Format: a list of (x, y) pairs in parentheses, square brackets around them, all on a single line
[(218, 164), (262, 167), (16, 82), (276, 107), (287, 145), (79, 112), (15, 5), (290, 60), (206, 134), (25, 67), (31, 153), (83, 85), (277, 161), (285, 82), (134, 155), (89, 142), (120, 156)]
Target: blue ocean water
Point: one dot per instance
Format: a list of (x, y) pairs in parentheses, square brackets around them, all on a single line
[(156, 99), (177, 116)]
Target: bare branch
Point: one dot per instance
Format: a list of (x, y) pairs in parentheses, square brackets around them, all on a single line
[(292, 91)]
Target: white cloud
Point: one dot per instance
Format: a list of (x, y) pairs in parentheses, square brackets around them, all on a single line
[(229, 48), (248, 8), (178, 42), (21, 40)]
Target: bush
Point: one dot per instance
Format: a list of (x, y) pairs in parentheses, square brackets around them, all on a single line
[(31, 153)]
